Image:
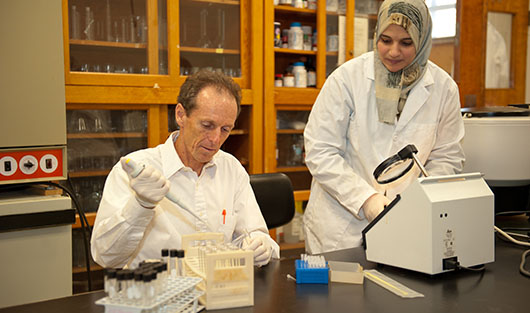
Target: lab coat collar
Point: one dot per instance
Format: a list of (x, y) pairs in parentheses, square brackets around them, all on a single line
[(171, 162), (417, 98), (369, 66)]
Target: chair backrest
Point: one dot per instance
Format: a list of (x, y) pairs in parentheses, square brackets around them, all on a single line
[(274, 193)]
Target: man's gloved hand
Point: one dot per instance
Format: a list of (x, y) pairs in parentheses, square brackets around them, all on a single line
[(150, 186), (261, 247), (374, 205)]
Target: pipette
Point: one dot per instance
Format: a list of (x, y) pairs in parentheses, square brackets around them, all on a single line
[(138, 168)]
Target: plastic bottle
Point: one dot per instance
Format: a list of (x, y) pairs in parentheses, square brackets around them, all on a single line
[(298, 4), (300, 75), (278, 80), (277, 35), (296, 36), (288, 79), (311, 78)]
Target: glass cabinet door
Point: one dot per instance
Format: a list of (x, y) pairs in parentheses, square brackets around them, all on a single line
[(335, 34), (118, 36), (364, 25), (210, 36), (290, 151), (96, 139)]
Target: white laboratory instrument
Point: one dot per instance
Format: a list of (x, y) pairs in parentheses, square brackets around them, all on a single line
[(35, 230), (36, 247), (436, 222), (496, 144)]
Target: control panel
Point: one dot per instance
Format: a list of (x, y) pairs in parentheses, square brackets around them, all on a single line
[(32, 164)]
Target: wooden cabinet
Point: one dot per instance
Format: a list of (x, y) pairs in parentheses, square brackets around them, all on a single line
[(286, 108)]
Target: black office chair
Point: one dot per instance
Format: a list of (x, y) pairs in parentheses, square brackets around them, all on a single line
[(274, 194)]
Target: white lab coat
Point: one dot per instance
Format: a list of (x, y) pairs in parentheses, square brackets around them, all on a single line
[(344, 143)]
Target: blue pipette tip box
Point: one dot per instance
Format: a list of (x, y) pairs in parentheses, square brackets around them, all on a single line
[(307, 275)]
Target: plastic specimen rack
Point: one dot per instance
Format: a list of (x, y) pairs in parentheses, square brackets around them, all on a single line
[(180, 295), (311, 269), (227, 272)]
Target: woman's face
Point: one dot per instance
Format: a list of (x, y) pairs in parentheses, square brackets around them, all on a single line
[(395, 47)]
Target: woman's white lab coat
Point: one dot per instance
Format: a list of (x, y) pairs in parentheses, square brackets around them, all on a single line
[(344, 143)]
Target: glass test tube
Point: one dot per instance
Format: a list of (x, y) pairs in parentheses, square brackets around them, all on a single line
[(173, 265), (165, 255), (128, 291), (138, 286), (146, 290), (180, 259), (110, 282)]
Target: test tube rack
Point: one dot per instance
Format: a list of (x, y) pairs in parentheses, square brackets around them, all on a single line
[(179, 296), (307, 274), (227, 275)]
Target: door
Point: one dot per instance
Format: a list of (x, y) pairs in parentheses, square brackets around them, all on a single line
[(490, 53)]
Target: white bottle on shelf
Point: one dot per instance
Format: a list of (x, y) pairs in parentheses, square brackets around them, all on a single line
[(296, 36), (300, 75)]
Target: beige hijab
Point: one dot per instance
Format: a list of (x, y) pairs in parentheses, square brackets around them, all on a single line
[(392, 89)]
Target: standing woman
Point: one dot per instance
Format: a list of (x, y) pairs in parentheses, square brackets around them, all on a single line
[(369, 109)]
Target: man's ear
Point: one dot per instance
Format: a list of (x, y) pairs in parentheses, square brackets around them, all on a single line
[(180, 113)]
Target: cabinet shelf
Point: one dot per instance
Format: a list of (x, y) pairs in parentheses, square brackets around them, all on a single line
[(301, 195), (295, 96), (75, 174), (231, 2), (238, 132), (210, 50), (292, 246), (105, 135), (291, 9), (99, 43), (333, 13), (292, 168), (294, 51), (91, 217), (93, 267), (289, 131)]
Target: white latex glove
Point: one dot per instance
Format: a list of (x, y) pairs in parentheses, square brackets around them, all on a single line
[(374, 205), (261, 247), (150, 186)]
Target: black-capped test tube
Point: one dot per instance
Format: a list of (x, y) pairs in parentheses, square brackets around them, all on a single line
[(173, 265), (180, 258)]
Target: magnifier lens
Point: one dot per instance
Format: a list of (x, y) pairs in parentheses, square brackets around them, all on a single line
[(394, 171)]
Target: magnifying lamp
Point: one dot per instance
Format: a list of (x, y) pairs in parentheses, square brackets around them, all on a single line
[(398, 165)]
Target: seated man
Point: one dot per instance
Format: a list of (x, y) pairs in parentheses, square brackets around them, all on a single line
[(135, 220)]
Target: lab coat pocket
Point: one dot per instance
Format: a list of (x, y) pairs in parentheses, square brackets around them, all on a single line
[(226, 221)]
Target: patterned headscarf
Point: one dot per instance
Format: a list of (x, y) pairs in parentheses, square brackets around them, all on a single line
[(392, 89)]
